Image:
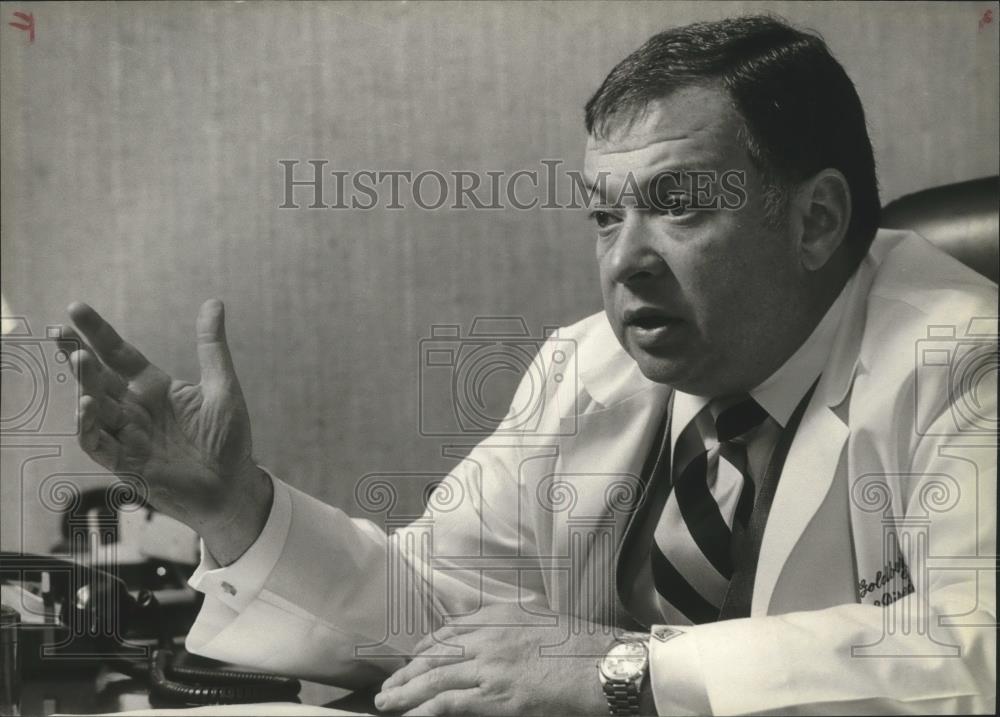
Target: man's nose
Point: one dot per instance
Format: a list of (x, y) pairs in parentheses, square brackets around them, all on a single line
[(633, 256)]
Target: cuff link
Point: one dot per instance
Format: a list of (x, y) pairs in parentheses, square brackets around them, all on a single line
[(660, 632)]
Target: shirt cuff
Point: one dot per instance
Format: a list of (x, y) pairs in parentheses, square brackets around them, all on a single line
[(238, 584), (675, 673)]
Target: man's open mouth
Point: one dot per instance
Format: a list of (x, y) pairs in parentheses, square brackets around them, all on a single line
[(649, 318)]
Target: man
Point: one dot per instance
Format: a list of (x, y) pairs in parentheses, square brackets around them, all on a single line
[(754, 367)]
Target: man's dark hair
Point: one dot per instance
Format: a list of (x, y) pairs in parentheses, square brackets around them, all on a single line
[(800, 110)]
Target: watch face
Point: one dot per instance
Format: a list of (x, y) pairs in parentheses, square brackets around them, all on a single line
[(624, 661)]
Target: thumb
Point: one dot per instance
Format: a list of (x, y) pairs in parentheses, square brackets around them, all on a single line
[(213, 351)]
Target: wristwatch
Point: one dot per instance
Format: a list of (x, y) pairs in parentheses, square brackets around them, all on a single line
[(622, 671)]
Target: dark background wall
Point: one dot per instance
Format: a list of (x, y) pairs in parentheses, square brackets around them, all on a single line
[(140, 173)]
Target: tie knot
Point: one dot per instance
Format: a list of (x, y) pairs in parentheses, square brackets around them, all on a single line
[(738, 417)]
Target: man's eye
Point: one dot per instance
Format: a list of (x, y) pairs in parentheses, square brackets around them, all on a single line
[(603, 219)]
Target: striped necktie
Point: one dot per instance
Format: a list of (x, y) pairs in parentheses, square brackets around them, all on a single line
[(691, 554)]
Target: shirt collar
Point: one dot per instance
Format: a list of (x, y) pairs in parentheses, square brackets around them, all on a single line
[(781, 392)]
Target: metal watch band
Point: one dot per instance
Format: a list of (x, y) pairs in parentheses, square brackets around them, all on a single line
[(623, 698)]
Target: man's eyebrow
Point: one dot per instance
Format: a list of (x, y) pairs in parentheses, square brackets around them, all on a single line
[(705, 163), (708, 163)]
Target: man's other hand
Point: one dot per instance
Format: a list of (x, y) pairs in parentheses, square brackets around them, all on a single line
[(502, 670), (188, 443)]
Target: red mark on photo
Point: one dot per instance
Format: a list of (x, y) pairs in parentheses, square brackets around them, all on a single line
[(29, 24), (986, 19)]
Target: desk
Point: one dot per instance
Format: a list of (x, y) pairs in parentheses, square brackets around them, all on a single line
[(110, 691)]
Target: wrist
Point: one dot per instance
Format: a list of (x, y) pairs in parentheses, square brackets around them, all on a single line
[(624, 675), (647, 704), (238, 519)]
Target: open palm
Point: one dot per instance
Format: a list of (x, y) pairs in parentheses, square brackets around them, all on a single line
[(188, 444)]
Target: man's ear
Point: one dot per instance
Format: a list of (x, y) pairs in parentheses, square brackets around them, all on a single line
[(823, 204)]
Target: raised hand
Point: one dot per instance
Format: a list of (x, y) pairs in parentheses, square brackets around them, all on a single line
[(189, 443)]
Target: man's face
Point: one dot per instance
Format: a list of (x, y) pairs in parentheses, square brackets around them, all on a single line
[(696, 297)]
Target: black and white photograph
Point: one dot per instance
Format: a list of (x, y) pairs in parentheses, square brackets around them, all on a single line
[(499, 358)]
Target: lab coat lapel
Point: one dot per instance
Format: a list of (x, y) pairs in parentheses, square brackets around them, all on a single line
[(600, 465), (601, 450), (815, 453), (805, 480), (596, 479)]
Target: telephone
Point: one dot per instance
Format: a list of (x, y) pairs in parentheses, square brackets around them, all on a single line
[(94, 616)]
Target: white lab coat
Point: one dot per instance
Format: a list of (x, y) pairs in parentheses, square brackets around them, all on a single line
[(534, 514)]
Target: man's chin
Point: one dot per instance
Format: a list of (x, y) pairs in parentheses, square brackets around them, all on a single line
[(695, 377), (676, 373)]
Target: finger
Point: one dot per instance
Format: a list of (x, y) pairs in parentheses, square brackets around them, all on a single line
[(101, 446), (118, 354), (95, 378), (104, 412), (213, 350), (111, 414), (428, 641), (87, 412), (89, 439), (441, 636), (430, 684), (96, 441), (419, 665), (87, 370), (68, 340), (108, 450), (449, 703)]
